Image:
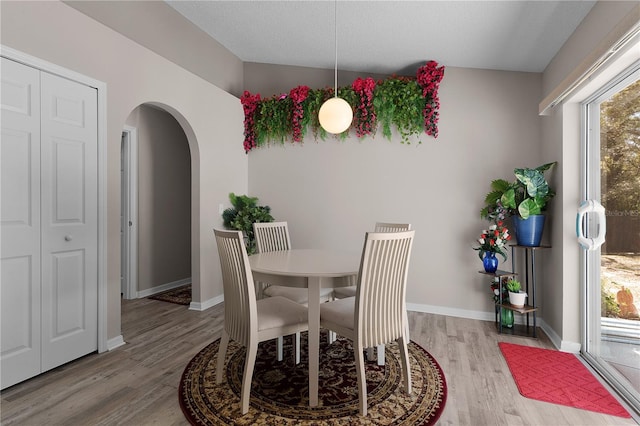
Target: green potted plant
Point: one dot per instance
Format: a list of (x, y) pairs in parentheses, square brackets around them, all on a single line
[(244, 213), (516, 295), (524, 200)]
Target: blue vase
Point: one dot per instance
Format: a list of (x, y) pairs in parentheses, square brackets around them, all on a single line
[(529, 231), (490, 262)]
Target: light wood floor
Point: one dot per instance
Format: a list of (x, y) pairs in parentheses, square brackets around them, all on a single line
[(137, 384)]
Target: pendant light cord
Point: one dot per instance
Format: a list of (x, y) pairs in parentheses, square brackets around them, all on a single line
[(335, 35)]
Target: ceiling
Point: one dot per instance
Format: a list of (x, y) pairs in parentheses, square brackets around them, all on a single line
[(389, 37)]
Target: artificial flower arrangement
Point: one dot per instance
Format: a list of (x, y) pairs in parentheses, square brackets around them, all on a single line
[(495, 291), (494, 240), (410, 104)]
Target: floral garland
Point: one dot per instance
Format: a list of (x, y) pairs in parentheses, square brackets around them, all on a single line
[(298, 96), (409, 104), (249, 105), (364, 116), (429, 77)]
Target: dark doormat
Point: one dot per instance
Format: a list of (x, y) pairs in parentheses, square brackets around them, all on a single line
[(179, 295)]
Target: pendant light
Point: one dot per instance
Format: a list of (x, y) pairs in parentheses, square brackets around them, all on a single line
[(335, 114)]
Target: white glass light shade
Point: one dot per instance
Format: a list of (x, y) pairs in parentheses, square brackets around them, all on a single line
[(335, 115)]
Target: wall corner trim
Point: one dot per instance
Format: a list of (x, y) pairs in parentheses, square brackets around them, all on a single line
[(115, 342), (203, 306)]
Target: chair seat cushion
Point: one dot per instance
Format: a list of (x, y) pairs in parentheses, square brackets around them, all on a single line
[(342, 292), (298, 295), (277, 312), (339, 312)]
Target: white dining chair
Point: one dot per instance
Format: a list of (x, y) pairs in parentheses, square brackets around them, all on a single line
[(247, 320), (376, 315), (350, 290), (274, 236)]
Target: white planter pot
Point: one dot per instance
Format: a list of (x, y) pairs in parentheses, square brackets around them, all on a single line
[(517, 299)]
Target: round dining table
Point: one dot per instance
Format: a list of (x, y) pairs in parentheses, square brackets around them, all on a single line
[(318, 267)]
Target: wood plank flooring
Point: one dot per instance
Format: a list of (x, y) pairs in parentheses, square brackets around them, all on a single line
[(137, 384)]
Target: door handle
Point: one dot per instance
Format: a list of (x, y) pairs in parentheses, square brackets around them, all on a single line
[(68, 238), (591, 206)]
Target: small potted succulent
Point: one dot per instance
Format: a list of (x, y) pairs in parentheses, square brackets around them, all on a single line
[(516, 295)]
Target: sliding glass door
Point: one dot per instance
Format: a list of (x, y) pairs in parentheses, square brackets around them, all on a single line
[(612, 271)]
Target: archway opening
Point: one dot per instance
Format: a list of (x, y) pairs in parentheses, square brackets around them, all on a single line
[(156, 204)]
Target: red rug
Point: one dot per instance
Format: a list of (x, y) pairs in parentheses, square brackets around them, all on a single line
[(559, 378)]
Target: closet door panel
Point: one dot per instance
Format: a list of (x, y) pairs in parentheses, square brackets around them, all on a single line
[(69, 220), (20, 338)]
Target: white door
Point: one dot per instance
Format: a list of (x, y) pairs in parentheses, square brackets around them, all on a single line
[(20, 218), (62, 295), (69, 205)]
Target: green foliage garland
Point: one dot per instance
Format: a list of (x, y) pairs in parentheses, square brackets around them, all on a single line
[(399, 102)]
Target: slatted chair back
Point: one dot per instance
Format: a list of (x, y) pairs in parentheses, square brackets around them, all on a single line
[(382, 283), (244, 322), (392, 227), (346, 289), (240, 313), (271, 236)]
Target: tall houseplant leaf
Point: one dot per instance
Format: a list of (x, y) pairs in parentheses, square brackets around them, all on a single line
[(244, 213)]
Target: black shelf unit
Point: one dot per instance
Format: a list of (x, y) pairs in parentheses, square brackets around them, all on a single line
[(503, 277), (529, 310)]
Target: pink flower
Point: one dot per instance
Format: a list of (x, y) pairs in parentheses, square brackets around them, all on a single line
[(249, 105), (298, 96), (365, 116), (429, 77)]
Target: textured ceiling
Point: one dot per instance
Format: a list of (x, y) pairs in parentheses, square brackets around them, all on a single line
[(391, 36)]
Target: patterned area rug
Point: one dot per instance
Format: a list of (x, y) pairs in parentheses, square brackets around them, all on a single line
[(279, 393), (559, 378), (179, 295)]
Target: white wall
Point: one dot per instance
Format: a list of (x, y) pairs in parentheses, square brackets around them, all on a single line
[(156, 25), (331, 191), (605, 24), (210, 117), (562, 137)]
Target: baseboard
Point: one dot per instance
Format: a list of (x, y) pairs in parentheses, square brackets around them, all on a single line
[(461, 313), (572, 347), (561, 345), (452, 312), (115, 342), (163, 287), (202, 306), (564, 346)]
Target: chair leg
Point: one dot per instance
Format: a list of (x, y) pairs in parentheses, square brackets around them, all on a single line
[(222, 354), (362, 379), (280, 344), (406, 326), (331, 337), (297, 348), (249, 363), (380, 351), (404, 360), (370, 355)]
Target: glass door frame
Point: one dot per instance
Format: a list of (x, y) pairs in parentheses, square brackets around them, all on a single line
[(590, 260)]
